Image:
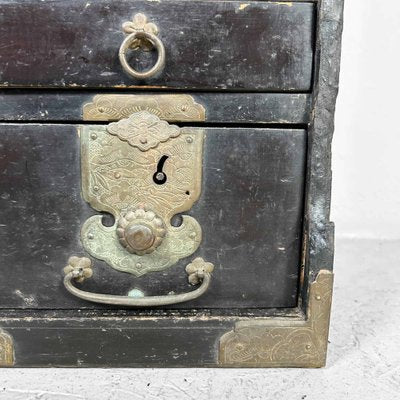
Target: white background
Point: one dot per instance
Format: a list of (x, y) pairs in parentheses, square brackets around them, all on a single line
[(366, 145), (364, 353)]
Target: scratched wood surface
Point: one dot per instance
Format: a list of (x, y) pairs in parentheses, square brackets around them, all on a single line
[(221, 107), (115, 342), (213, 45), (250, 211)]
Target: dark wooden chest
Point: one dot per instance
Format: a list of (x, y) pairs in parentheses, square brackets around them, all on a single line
[(165, 182)]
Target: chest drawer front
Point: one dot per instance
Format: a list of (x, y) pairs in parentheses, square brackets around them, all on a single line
[(214, 45), (250, 211)]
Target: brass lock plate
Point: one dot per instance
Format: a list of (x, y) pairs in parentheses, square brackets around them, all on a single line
[(143, 171)]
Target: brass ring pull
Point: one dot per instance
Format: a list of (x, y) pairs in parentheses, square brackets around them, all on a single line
[(79, 269), (155, 41)]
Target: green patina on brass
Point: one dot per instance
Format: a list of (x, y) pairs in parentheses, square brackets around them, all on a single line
[(120, 168)]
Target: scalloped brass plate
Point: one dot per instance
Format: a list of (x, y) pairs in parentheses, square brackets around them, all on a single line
[(169, 107), (277, 342)]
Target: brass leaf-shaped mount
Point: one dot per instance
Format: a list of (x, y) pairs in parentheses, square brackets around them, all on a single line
[(197, 269), (81, 268), (140, 23)]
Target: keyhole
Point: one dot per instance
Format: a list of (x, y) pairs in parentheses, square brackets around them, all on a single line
[(159, 176)]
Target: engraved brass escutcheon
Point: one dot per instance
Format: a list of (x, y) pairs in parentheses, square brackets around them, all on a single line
[(122, 174), (143, 171)]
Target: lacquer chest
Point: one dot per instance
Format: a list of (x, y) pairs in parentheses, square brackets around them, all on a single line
[(165, 182)]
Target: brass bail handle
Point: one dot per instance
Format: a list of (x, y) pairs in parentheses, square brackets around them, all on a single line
[(80, 268), (141, 35)]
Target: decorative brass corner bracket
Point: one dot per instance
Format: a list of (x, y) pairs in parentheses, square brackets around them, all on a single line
[(6, 350), (168, 107), (277, 342)]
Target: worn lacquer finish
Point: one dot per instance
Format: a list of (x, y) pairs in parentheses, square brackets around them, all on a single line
[(250, 210), (219, 108), (213, 45)]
